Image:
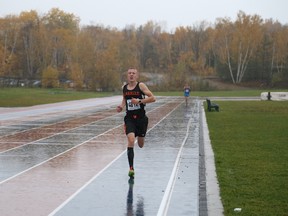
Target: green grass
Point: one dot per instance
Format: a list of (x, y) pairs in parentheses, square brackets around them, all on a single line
[(21, 97), (250, 143), (17, 97)]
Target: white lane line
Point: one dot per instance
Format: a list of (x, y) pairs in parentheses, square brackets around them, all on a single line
[(170, 186), (44, 109), (52, 135), (20, 173), (39, 164), (105, 168), (85, 185)]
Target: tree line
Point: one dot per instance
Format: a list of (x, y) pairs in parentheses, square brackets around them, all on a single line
[(56, 50)]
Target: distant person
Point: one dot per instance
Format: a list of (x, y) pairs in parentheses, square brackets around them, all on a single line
[(186, 93), (135, 96), (269, 96)]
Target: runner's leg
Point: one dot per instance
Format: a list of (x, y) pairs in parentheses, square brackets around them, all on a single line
[(130, 149), (141, 131), (141, 141)]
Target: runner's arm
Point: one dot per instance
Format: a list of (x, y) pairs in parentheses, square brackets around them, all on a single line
[(122, 105), (150, 97)]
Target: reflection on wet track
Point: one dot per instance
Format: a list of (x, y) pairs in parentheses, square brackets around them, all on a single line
[(74, 162)]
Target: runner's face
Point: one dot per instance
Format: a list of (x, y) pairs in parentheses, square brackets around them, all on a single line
[(132, 75)]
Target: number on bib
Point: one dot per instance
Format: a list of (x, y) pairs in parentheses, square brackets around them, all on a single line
[(132, 106)]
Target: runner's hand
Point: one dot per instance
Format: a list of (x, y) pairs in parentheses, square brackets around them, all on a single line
[(134, 101), (119, 108)]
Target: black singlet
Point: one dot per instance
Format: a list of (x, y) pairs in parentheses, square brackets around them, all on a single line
[(134, 109)]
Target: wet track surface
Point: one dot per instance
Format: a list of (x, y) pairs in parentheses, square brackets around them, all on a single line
[(71, 160)]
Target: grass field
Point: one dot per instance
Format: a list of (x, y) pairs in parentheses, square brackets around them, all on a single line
[(250, 143), (17, 97), (22, 97)]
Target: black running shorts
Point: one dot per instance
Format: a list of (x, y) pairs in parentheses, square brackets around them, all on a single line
[(138, 126)]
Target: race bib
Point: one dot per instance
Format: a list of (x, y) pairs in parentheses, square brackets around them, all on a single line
[(132, 106)]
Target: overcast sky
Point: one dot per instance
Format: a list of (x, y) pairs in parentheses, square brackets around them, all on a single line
[(168, 13)]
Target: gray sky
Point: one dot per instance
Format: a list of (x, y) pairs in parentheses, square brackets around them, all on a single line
[(168, 13)]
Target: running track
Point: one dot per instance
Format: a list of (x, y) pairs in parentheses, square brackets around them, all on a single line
[(70, 159)]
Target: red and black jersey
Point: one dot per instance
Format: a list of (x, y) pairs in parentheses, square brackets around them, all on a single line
[(134, 109)]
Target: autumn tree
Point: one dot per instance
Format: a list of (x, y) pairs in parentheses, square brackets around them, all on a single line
[(95, 57), (279, 65), (180, 43), (9, 37), (30, 38), (147, 36), (128, 49), (62, 29), (100, 52), (50, 77), (263, 62), (210, 54), (85, 55), (237, 42), (165, 45), (200, 45), (107, 65)]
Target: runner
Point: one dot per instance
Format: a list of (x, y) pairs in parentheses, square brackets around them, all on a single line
[(136, 121), (186, 93)]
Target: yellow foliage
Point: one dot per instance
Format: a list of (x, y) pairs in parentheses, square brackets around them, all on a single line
[(50, 77)]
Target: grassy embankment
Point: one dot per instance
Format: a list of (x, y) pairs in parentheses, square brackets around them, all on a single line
[(22, 97), (250, 143), (17, 97)]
